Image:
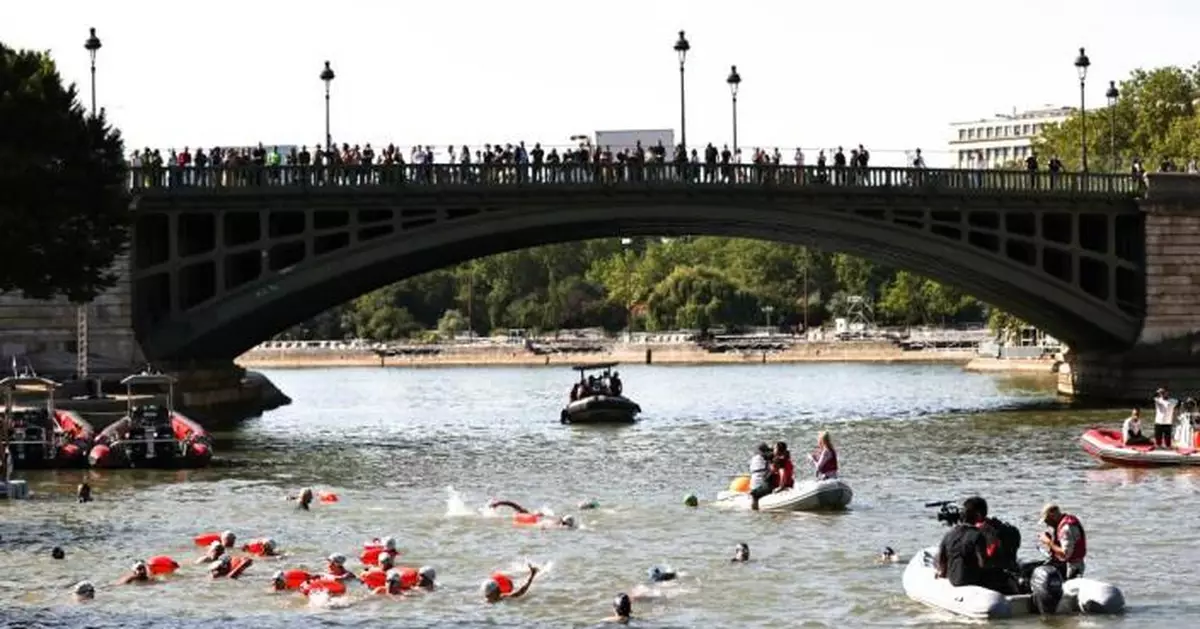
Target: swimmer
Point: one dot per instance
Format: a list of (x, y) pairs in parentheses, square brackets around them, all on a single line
[(278, 582), (887, 555), (588, 504), (230, 567), (215, 551), (264, 547), (493, 588), (658, 574), (84, 591), (622, 610), (427, 578), (386, 563), (566, 521), (58, 553), (741, 553), (139, 573), (393, 586), (84, 493), (303, 499), (228, 539), (336, 568)]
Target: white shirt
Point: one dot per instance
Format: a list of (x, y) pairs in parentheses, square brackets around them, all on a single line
[(1133, 426), (1164, 410)]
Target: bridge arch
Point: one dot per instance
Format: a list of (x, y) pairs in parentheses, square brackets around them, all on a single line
[(235, 321)]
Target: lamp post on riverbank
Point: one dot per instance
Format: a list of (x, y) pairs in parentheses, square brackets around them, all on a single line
[(327, 76), (1081, 65), (734, 81), (1112, 94), (92, 45), (681, 48)]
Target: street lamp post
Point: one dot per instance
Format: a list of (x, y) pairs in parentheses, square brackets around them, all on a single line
[(327, 76), (92, 45), (734, 81), (1081, 65), (1112, 94), (681, 48)]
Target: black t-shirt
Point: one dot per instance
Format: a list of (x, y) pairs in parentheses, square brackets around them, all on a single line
[(963, 547)]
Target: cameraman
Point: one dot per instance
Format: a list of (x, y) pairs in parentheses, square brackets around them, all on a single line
[(996, 563), (963, 550)]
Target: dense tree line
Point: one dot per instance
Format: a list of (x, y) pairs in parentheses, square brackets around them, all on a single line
[(648, 284)]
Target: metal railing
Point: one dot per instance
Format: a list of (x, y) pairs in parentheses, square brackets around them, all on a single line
[(176, 178)]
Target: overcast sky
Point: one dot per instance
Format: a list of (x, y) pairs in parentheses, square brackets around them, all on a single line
[(886, 73)]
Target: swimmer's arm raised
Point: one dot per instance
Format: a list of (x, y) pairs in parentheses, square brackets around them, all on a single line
[(508, 503), (519, 592)]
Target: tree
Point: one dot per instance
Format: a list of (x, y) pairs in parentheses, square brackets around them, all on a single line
[(698, 298), (1155, 119), (1005, 326), (451, 323), (64, 209)]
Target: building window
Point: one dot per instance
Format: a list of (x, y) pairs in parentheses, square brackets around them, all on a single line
[(1025, 130), (989, 132), (962, 134)]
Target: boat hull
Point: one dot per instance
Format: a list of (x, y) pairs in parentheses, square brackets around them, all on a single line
[(601, 409), (813, 495), (1079, 595), (1105, 446), (40, 441), (175, 443)]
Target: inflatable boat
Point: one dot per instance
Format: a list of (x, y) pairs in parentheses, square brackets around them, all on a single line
[(43, 437), (1049, 593), (812, 495), (599, 399), (1106, 446), (152, 434)]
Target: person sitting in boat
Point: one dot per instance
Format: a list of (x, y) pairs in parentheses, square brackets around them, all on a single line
[(782, 468), (760, 475), (500, 586), (215, 551), (614, 384), (961, 554), (1131, 430), (524, 516), (1067, 542), (1165, 408), (139, 573), (825, 458), (335, 568)]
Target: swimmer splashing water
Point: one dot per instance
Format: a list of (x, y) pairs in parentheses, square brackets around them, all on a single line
[(524, 517), (500, 586)]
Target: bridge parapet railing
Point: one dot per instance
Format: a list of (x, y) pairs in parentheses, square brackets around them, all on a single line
[(187, 178)]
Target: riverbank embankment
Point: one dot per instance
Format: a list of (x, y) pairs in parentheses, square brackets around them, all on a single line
[(988, 364), (628, 353)]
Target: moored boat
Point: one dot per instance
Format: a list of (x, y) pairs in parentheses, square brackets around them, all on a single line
[(152, 433), (811, 495), (42, 436), (599, 399), (1107, 446)]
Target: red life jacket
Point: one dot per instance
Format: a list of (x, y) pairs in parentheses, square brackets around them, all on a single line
[(1080, 549), (829, 466)]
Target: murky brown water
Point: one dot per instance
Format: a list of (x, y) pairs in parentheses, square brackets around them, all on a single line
[(391, 442)]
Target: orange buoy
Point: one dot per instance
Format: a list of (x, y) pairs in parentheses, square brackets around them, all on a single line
[(327, 496), (527, 519), (206, 539), (295, 578), (370, 555), (409, 578), (161, 564), (740, 485), (502, 580), (333, 587), (374, 578), (261, 546), (238, 566)]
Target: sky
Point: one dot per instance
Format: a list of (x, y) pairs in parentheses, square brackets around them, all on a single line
[(888, 74)]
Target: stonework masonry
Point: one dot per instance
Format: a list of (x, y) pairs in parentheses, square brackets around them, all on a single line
[(1168, 350), (45, 331)]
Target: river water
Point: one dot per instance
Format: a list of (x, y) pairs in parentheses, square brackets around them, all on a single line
[(391, 442)]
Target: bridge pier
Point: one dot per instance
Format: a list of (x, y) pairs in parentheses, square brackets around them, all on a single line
[(1167, 352)]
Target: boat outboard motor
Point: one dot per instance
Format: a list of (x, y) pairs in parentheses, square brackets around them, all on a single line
[(1046, 585)]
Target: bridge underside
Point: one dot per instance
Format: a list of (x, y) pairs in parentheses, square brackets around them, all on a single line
[(218, 273)]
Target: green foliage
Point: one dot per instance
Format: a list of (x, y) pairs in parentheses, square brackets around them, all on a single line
[(696, 282), (1005, 326), (1155, 118), (64, 207)]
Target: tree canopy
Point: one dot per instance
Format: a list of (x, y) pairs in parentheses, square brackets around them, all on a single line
[(64, 210), (1155, 118)]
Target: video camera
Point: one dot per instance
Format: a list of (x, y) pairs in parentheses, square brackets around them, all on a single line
[(948, 512)]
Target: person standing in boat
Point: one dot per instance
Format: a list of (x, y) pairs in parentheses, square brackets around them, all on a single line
[(1165, 408), (760, 475), (1185, 432), (782, 468), (1131, 430), (615, 385), (825, 458)]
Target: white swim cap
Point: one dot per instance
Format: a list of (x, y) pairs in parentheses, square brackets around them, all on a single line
[(139, 565), (490, 587), (568, 520), (278, 576), (393, 576), (385, 558), (427, 573), (337, 558), (85, 588), (228, 535), (216, 544), (389, 543)]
